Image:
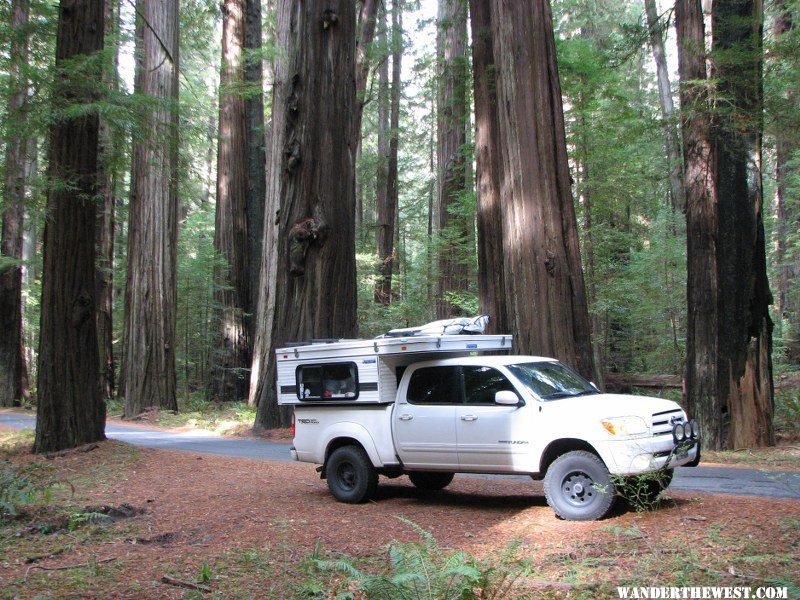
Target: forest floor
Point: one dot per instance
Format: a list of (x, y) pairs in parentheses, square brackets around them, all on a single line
[(117, 520)]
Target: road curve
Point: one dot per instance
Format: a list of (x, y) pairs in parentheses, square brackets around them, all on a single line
[(713, 480)]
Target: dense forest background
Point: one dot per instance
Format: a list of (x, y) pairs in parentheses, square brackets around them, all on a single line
[(196, 134)]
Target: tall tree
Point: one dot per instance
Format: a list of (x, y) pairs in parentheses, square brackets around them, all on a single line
[(671, 139), (491, 279), (745, 326), (729, 338), (384, 233), (787, 161), (543, 276), (366, 33), (452, 116), (387, 254), (256, 158), (150, 294), (231, 357), (106, 218), (313, 109), (71, 410), (12, 357)]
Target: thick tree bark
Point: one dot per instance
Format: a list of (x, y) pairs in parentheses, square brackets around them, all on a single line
[(256, 153), (671, 140), (745, 326), (12, 357), (275, 138), (151, 292), (788, 214), (452, 118), (106, 221), (491, 279), (543, 276), (232, 356), (384, 233), (387, 254), (366, 33), (729, 339), (313, 111), (71, 411), (701, 231)]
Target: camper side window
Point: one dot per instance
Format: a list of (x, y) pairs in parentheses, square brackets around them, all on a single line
[(338, 381)]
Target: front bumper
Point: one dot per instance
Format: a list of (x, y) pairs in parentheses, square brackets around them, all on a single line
[(644, 455)]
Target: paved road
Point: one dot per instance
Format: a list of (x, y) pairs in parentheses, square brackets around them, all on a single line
[(717, 480)]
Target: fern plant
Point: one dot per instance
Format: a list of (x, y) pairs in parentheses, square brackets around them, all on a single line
[(424, 571)]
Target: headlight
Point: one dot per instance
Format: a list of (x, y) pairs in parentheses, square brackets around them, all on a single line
[(624, 426)]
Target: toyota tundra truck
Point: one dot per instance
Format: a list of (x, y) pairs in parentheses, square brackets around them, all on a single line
[(430, 406)]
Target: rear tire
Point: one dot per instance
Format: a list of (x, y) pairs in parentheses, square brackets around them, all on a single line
[(430, 480), (578, 487), (351, 477)]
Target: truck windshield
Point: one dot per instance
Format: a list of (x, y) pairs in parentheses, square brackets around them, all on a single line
[(552, 380)]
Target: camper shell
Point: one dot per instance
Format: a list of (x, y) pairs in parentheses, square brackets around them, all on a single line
[(366, 372)]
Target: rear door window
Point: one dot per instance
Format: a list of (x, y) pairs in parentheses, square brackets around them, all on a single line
[(434, 385)]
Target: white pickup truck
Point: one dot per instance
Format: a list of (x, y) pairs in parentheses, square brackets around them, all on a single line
[(432, 406)]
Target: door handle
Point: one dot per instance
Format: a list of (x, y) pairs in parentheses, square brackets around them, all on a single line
[(406, 417), (469, 418)]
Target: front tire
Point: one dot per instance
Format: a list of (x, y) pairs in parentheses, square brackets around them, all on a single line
[(578, 487), (351, 477), (430, 481)]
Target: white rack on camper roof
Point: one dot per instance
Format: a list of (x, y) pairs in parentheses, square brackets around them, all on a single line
[(395, 345), (376, 363)]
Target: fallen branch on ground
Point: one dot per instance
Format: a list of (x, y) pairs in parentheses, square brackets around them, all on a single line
[(60, 453), (185, 584), (66, 567)]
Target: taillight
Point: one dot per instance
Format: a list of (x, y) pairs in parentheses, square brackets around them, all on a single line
[(291, 429)]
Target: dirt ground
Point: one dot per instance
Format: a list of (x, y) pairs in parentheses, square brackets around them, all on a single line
[(201, 510)]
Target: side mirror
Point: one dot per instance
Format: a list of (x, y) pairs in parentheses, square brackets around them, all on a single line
[(507, 398)]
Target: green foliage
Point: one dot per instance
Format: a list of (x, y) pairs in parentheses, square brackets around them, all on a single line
[(643, 492), (21, 487), (206, 574), (420, 570)]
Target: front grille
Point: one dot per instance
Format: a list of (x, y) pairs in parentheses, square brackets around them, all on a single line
[(664, 421)]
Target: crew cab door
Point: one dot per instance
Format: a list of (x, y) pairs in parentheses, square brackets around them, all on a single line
[(490, 437), (424, 419)]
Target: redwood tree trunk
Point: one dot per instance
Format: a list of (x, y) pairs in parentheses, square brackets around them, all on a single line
[(744, 350), (729, 338), (671, 141), (256, 164), (491, 280), (71, 410), (388, 253), (454, 231), (543, 276), (366, 33), (788, 213), (701, 232), (313, 111), (106, 222), (151, 292), (12, 358), (384, 230), (231, 357)]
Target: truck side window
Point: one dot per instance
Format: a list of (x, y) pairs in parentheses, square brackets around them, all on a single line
[(482, 383), (434, 385), (327, 382)]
